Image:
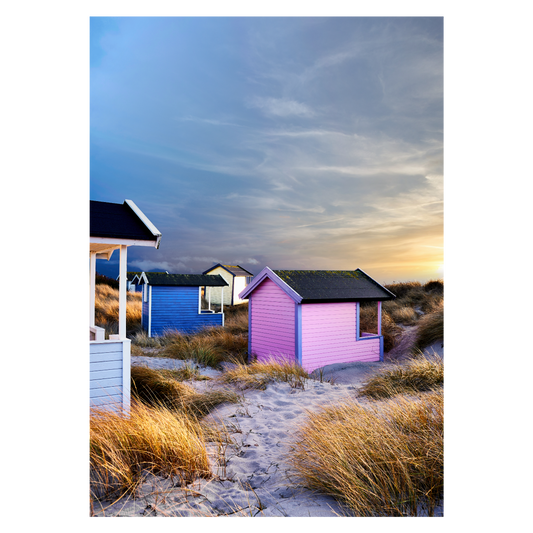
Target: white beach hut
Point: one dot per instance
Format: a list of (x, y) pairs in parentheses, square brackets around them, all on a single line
[(114, 227)]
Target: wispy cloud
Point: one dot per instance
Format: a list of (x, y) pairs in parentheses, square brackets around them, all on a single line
[(280, 107), (319, 223), (211, 121)]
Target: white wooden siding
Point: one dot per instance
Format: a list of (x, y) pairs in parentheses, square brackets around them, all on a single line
[(107, 373), (238, 287), (216, 292)]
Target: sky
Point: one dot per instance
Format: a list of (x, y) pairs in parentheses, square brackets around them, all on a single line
[(293, 143)]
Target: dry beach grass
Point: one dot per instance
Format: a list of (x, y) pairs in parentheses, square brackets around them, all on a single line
[(383, 459), (123, 449), (419, 373)]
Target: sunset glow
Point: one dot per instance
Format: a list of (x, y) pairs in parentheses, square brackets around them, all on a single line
[(440, 270)]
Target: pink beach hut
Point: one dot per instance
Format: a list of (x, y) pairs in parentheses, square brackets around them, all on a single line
[(311, 317)]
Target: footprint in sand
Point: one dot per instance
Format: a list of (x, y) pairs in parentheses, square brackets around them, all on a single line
[(289, 415)]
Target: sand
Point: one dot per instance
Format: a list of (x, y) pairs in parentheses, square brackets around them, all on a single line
[(252, 477)]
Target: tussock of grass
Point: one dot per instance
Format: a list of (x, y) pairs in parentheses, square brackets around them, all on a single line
[(430, 328), (381, 460), (415, 295), (142, 340), (258, 375), (196, 348), (123, 449), (418, 374), (208, 347), (161, 388), (236, 318)]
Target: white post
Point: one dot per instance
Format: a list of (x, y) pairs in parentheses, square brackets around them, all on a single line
[(149, 289), (122, 292), (222, 305), (93, 288), (209, 290), (379, 318), (199, 300)]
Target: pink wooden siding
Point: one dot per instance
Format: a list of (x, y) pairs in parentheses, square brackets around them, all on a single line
[(329, 336), (273, 323)]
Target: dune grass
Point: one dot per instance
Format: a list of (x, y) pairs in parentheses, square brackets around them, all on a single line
[(156, 440), (383, 459), (163, 433), (163, 388), (430, 328), (208, 347), (413, 300), (417, 374), (257, 375)]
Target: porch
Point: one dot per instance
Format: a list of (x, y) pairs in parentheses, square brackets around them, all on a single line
[(109, 359), (113, 227)]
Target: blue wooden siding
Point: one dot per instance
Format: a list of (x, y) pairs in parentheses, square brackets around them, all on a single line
[(176, 308)]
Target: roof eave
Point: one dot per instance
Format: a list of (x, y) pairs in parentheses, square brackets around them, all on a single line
[(343, 300), (392, 296)]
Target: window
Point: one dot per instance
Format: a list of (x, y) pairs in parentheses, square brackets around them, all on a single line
[(368, 320)]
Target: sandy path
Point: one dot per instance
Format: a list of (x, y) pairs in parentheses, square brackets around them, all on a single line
[(252, 478)]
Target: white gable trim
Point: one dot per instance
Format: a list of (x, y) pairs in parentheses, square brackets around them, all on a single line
[(267, 273), (146, 221)]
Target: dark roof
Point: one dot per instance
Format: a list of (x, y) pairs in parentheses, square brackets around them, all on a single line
[(184, 280), (334, 285), (117, 221), (236, 270)]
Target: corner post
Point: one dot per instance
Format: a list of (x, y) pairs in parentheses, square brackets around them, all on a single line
[(200, 300), (357, 323), (250, 315), (379, 318), (222, 306), (298, 333)]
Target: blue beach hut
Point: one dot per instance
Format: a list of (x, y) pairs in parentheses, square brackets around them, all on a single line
[(174, 302)]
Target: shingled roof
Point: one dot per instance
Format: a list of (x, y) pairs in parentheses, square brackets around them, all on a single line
[(315, 286), (334, 285), (182, 280)]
